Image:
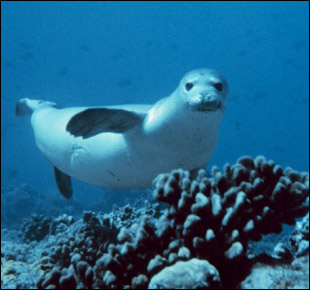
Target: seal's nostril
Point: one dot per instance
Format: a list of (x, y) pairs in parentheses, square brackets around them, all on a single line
[(218, 86)]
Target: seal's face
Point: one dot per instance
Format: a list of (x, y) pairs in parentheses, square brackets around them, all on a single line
[(204, 90)]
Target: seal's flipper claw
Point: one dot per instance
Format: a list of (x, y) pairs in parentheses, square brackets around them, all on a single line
[(99, 120), (63, 183)]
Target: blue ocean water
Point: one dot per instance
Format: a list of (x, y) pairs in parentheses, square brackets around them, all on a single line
[(103, 53), (89, 53)]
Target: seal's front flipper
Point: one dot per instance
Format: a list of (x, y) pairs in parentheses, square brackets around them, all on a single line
[(98, 120), (63, 183)]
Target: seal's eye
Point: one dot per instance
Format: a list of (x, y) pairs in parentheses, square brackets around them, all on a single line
[(218, 86), (189, 86)]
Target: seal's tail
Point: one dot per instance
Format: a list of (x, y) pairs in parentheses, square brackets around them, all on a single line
[(26, 106)]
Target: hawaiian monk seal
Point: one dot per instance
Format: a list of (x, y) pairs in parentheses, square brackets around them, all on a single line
[(127, 146)]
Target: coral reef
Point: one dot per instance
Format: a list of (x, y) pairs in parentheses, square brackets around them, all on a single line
[(192, 274), (20, 267), (209, 218), (296, 244), (299, 239), (206, 221), (88, 240), (60, 224), (216, 217), (294, 275), (36, 228), (87, 255)]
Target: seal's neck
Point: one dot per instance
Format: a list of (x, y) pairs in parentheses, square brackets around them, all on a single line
[(172, 114)]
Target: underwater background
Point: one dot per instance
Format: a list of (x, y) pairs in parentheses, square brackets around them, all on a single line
[(106, 53), (79, 53)]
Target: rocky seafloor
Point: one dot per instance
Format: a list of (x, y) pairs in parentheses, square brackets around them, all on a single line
[(234, 229)]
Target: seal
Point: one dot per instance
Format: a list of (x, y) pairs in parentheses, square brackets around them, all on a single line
[(127, 146)]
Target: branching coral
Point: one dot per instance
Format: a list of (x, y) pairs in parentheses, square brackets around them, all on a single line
[(215, 217), (209, 218)]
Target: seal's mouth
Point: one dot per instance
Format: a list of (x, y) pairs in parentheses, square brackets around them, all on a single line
[(206, 102), (208, 108)]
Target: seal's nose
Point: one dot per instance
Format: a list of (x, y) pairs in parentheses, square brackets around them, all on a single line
[(210, 97), (210, 101)]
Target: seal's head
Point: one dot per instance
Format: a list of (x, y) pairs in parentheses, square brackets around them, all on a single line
[(204, 90)]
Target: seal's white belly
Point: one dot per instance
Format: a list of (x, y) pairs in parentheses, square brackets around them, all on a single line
[(115, 160)]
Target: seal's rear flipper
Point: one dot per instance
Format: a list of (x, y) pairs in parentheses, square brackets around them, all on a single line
[(23, 108), (26, 106), (63, 183), (98, 120)]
